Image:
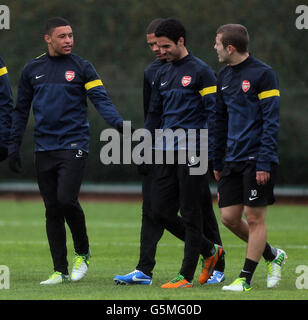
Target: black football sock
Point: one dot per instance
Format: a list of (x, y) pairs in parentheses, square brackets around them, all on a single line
[(269, 253), (220, 265), (248, 270)]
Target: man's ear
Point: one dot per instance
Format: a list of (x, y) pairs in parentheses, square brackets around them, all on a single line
[(230, 49), (181, 41), (47, 38)]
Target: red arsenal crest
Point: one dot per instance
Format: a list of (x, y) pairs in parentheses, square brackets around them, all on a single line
[(69, 75), (186, 80), (245, 85)]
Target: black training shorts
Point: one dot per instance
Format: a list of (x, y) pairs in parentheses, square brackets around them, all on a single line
[(238, 185)]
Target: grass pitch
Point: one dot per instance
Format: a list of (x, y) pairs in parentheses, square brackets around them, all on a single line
[(113, 230)]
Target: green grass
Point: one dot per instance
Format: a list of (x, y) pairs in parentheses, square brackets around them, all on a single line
[(113, 230)]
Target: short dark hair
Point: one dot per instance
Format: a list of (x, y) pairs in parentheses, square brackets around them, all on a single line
[(235, 35), (153, 25), (172, 29), (55, 22)]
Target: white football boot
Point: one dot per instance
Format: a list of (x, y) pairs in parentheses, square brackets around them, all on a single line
[(56, 278), (274, 268), (80, 266)]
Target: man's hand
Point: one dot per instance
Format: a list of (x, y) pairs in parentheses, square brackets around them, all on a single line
[(217, 175), (3, 153), (15, 162), (262, 177)]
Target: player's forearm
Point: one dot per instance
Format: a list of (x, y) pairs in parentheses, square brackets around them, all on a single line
[(19, 123), (268, 151)]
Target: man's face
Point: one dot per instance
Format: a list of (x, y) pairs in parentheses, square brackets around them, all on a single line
[(61, 41), (223, 55), (152, 42), (169, 49)]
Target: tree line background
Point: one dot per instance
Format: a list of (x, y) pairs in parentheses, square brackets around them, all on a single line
[(111, 34)]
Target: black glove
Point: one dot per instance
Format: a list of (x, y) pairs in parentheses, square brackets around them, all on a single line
[(15, 162), (3, 153)]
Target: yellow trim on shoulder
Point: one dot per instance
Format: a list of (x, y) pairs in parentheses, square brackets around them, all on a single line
[(92, 84), (208, 90), (268, 94), (41, 55), (3, 71)]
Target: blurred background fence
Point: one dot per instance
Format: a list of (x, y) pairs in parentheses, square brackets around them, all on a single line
[(111, 34)]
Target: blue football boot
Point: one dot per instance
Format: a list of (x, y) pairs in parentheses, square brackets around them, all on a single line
[(135, 277)]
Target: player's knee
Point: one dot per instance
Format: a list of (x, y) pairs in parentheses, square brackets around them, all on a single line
[(225, 221), (65, 202), (159, 217), (253, 220), (146, 208), (229, 222), (51, 211), (255, 216)]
